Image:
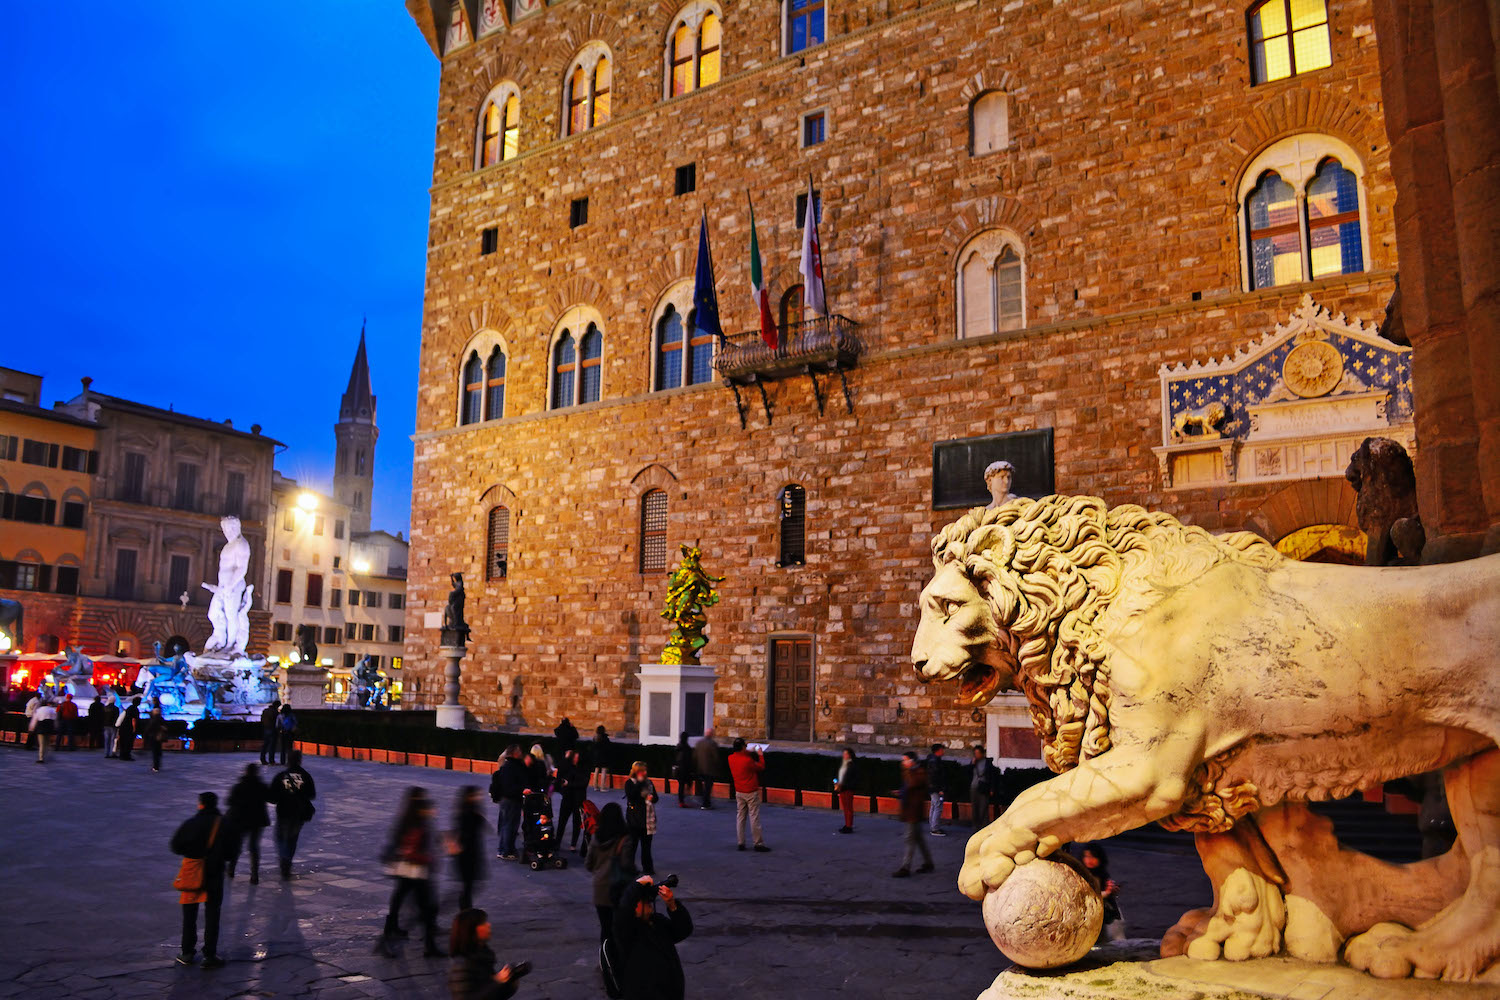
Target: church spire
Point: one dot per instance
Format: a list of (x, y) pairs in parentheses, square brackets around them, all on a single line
[(356, 434), (359, 399)]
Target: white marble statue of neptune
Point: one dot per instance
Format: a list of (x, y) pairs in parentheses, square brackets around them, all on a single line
[(229, 611)]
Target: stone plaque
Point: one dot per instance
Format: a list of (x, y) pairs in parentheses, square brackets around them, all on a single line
[(958, 467)]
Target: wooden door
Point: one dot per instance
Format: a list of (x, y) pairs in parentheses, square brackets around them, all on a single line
[(791, 689)]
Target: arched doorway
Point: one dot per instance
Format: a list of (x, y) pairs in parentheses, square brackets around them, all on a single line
[(1325, 543)]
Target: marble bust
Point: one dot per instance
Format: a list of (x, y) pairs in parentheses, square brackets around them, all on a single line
[(998, 477)]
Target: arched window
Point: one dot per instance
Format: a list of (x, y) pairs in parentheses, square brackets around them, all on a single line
[(804, 24), (792, 506), (1288, 37), (359, 462), (587, 90), (693, 51), (564, 371), (500, 126), (669, 349), (472, 390), (791, 308), (991, 285), (654, 532), (494, 397), (497, 560), (591, 347), (989, 123), (1302, 212), (700, 367)]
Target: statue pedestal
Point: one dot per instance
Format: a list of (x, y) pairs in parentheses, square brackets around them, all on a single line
[(304, 687), (675, 698), (450, 714)]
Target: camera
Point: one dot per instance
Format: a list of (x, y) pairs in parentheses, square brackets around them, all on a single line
[(519, 969), (649, 891)]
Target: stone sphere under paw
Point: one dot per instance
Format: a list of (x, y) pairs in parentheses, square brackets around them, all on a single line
[(1044, 915)]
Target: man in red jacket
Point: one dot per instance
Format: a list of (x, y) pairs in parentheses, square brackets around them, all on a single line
[(745, 767), (67, 722)]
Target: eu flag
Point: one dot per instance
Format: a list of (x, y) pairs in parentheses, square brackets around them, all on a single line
[(705, 298)]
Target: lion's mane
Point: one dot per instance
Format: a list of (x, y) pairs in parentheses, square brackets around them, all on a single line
[(1052, 570)]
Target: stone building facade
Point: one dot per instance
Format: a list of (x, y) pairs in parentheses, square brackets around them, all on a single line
[(1032, 216)]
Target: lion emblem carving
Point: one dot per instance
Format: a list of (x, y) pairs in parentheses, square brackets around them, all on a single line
[(1212, 685)]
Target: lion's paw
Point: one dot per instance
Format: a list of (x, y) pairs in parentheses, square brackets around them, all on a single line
[(993, 853), (1381, 951), (1247, 924)]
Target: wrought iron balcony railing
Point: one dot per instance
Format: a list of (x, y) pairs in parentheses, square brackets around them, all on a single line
[(822, 346)]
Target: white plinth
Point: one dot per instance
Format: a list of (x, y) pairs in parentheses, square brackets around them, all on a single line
[(675, 699), (303, 687), (450, 717), (1007, 711)]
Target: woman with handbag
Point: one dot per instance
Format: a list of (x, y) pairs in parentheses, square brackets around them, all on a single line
[(200, 879), (408, 859), (640, 815)]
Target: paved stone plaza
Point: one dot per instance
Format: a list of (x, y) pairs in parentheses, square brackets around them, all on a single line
[(90, 912)]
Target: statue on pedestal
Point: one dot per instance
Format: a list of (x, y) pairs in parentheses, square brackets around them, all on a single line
[(364, 682), (455, 629), (229, 610), (690, 592), (307, 646), (1208, 683)]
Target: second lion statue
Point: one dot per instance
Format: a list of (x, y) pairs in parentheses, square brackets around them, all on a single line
[(1212, 685)]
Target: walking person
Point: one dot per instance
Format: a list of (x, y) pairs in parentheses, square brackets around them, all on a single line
[(914, 792), (640, 815), (268, 732), (153, 736), (843, 788), (473, 975), (67, 722), (32, 704), (200, 839), (286, 731), (247, 818), (745, 768), (505, 791), (611, 871), (936, 768), (43, 725), (109, 715), (125, 749), (647, 941), (682, 769), (572, 785), (600, 757), (408, 860), (466, 843), (706, 767), (982, 780), (293, 792)]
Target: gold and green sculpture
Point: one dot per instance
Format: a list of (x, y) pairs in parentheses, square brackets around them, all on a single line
[(691, 591)]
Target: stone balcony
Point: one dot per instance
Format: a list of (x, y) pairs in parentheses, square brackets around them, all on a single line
[(814, 346)]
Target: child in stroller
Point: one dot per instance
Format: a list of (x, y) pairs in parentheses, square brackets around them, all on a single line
[(538, 835)]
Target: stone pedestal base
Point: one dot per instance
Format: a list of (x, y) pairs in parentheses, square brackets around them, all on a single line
[(450, 714), (450, 717), (1130, 971), (303, 687), (675, 698)]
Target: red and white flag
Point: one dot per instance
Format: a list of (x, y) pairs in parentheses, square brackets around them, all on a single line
[(813, 295)]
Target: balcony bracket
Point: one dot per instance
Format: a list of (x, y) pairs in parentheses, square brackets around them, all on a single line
[(739, 404), (848, 397), (812, 377), (764, 399)]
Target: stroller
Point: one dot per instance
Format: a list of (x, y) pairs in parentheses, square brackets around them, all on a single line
[(538, 834), (588, 819)]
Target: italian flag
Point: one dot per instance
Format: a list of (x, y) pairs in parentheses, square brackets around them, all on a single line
[(759, 291)]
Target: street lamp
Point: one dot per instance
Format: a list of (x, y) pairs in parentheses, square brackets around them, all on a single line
[(308, 501)]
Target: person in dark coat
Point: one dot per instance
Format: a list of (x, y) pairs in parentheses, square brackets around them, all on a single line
[(153, 735), (408, 860), (706, 767), (202, 837), (286, 733), (467, 843), (647, 941), (573, 787), (610, 839), (640, 815), (1094, 858), (600, 758), (109, 714), (126, 748), (268, 732), (473, 976), (293, 792), (682, 765), (537, 779), (246, 819), (567, 736), (95, 722), (505, 790), (914, 799)]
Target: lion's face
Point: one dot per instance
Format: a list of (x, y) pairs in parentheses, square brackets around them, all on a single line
[(958, 638)]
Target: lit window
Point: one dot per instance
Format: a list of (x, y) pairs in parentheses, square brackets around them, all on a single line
[(473, 390), (804, 24), (497, 563), (1275, 233), (601, 93), (991, 285), (791, 309), (1333, 236), (578, 102), (490, 139), (588, 90), (494, 399), (654, 532), (1301, 204), (693, 55), (1288, 37), (511, 144)]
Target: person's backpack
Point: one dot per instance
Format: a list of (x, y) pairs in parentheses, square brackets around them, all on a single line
[(287, 723)]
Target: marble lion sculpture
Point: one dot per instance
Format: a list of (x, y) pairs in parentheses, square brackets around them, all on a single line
[(1212, 685)]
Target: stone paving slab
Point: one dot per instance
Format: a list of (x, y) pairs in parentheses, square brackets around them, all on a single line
[(89, 910)]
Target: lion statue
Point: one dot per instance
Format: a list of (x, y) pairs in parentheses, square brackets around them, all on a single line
[(1212, 685), (1200, 424)]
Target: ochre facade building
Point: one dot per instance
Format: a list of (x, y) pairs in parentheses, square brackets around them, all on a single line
[(1035, 217)]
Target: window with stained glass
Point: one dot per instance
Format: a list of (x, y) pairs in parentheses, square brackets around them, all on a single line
[(1288, 37)]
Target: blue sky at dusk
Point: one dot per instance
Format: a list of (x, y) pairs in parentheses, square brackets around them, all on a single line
[(202, 201)]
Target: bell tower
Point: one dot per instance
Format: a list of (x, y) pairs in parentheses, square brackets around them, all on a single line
[(355, 434)]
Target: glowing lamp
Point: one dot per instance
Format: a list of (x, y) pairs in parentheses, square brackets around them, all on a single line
[(361, 565), (308, 501), (4, 642)]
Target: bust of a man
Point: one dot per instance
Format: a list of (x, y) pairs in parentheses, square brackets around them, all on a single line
[(998, 477)]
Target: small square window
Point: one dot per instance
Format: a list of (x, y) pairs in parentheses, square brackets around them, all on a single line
[(489, 240), (817, 207), (814, 128), (687, 179), (578, 213)]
